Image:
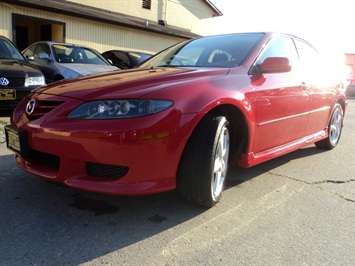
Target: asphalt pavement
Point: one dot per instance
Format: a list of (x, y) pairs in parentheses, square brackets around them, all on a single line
[(298, 209)]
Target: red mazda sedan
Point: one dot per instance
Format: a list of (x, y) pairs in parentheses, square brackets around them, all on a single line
[(181, 118)]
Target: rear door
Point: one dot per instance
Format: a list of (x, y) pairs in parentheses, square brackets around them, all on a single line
[(315, 82), (281, 104)]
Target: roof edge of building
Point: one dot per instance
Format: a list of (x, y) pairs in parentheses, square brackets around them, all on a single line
[(103, 15), (217, 12)]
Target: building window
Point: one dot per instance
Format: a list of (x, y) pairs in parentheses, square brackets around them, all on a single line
[(146, 4)]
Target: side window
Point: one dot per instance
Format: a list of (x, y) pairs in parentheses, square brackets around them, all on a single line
[(121, 58), (30, 51), (309, 57), (42, 48), (313, 70), (280, 47)]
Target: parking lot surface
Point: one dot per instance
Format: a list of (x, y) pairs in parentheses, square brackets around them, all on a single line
[(298, 209)]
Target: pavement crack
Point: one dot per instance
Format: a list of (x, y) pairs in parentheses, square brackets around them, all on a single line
[(328, 181), (315, 182), (345, 198), (333, 181)]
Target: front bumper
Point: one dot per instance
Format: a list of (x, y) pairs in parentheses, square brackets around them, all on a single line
[(118, 157)]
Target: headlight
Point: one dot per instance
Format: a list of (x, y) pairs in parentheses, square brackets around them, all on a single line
[(111, 109), (34, 81)]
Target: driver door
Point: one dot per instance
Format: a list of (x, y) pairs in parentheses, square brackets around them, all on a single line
[(281, 103)]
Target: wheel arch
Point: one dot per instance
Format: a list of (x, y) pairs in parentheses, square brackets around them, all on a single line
[(239, 131), (343, 105), (188, 178)]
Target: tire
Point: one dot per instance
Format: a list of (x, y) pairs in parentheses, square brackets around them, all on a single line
[(203, 166), (334, 129)]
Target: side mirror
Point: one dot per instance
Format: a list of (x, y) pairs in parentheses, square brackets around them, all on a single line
[(44, 56), (30, 58), (275, 65)]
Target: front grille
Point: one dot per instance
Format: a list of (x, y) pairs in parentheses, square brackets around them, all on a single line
[(42, 108), (44, 159), (16, 82), (105, 170)]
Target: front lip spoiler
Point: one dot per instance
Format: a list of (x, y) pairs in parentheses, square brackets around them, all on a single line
[(96, 185)]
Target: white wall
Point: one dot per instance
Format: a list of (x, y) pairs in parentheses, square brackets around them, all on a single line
[(100, 36)]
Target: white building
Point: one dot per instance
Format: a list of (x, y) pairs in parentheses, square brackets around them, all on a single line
[(143, 25)]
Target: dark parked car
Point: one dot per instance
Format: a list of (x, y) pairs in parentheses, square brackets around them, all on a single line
[(17, 76), (126, 59), (62, 61), (181, 118), (350, 89)]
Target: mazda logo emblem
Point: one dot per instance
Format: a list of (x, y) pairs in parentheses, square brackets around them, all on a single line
[(4, 81), (30, 107)]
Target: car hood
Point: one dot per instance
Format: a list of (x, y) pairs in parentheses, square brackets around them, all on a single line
[(129, 83), (88, 69), (17, 69)]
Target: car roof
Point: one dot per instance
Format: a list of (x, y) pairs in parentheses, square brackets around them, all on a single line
[(128, 51), (61, 43), (5, 38)]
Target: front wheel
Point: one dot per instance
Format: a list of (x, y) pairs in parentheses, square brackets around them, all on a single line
[(334, 129), (203, 167)]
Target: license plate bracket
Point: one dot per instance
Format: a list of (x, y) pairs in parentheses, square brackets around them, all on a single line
[(16, 140)]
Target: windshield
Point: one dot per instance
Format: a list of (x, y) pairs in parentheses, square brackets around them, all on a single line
[(214, 51), (77, 54), (8, 51)]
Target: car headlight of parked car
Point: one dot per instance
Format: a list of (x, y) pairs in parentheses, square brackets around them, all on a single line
[(111, 109), (34, 81)]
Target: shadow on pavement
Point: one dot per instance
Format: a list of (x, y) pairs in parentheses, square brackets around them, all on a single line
[(74, 227)]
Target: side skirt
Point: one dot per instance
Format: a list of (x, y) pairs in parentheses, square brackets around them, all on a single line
[(251, 159)]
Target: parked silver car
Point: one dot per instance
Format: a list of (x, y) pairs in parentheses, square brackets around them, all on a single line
[(62, 61)]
